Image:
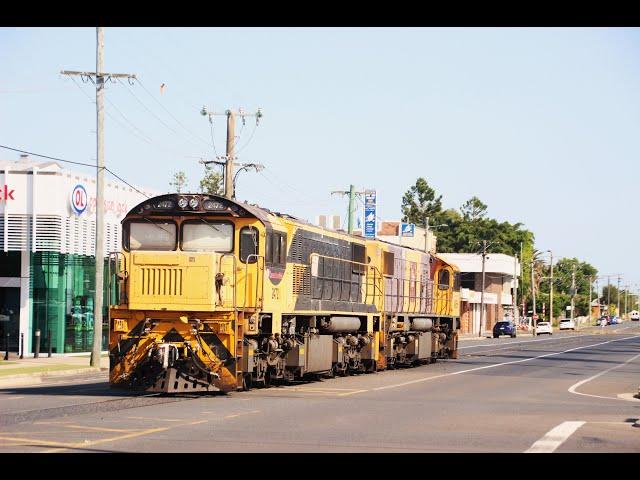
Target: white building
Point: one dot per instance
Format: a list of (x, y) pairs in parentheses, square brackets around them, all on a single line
[(47, 248), (501, 279)]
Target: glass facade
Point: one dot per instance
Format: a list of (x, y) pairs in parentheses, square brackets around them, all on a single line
[(62, 291), (9, 301)]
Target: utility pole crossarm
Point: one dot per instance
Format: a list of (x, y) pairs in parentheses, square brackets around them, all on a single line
[(229, 177), (352, 195), (99, 74)]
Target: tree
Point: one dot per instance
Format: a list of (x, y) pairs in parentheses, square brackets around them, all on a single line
[(179, 181), (473, 210), (211, 183), (419, 202)]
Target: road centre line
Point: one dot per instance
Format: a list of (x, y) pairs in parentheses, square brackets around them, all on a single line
[(533, 341), (554, 437), (572, 388), (426, 379)]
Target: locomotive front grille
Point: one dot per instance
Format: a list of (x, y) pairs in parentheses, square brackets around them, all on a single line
[(156, 281)]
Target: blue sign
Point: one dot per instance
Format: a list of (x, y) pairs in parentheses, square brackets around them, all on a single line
[(370, 213), (407, 229)]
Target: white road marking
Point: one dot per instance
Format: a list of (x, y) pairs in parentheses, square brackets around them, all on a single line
[(11, 398), (554, 437), (572, 388), (426, 379)]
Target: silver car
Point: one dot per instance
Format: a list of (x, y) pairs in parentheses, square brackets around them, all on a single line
[(567, 324)]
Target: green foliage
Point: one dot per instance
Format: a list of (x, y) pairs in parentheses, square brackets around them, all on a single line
[(211, 183), (419, 202), (473, 210), (179, 181), (463, 232)]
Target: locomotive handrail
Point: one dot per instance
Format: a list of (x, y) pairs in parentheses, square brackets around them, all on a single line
[(115, 256), (259, 278), (235, 303)]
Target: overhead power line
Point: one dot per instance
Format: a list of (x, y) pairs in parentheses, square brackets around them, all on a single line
[(76, 163)]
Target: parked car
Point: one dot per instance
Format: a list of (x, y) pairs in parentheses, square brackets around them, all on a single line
[(567, 324), (635, 315), (504, 328), (543, 327), (606, 319), (614, 320)]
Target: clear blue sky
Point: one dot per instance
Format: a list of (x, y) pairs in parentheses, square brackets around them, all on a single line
[(542, 124)]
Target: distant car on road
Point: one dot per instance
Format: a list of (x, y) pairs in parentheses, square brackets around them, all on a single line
[(606, 319), (635, 315), (543, 327), (614, 320), (567, 324), (504, 328)]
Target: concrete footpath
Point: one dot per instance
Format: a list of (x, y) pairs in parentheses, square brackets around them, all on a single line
[(30, 371)]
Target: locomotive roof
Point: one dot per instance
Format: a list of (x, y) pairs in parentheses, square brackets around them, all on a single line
[(168, 205)]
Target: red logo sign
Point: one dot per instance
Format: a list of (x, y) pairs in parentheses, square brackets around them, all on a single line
[(6, 194)]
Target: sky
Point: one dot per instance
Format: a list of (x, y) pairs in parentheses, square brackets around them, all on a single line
[(542, 124)]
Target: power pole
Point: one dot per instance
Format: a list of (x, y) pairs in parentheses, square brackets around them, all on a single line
[(626, 297), (618, 308), (590, 291), (228, 169), (515, 290), (573, 288), (521, 283), (229, 158), (608, 294), (352, 196), (484, 254), (533, 298), (100, 77), (551, 291)]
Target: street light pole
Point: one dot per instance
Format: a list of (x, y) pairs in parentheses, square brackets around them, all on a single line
[(618, 307), (426, 234), (484, 254), (551, 290), (590, 292), (533, 298)]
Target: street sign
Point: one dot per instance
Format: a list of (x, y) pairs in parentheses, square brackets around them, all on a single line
[(370, 213), (407, 229)]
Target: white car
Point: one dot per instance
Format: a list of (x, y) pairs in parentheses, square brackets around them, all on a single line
[(567, 324), (635, 315), (543, 327)]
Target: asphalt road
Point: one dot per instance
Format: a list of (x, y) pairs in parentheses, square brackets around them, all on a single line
[(570, 392)]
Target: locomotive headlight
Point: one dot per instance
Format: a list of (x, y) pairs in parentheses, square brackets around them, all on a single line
[(182, 203), (193, 203)]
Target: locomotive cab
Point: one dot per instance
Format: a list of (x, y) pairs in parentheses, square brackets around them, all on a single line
[(188, 279)]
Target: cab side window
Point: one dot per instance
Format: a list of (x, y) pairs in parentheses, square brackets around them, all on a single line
[(276, 249), (249, 244), (443, 279)]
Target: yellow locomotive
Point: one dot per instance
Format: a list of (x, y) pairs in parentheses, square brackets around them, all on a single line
[(210, 294)]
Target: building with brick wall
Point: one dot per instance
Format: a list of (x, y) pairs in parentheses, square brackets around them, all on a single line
[(501, 280)]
